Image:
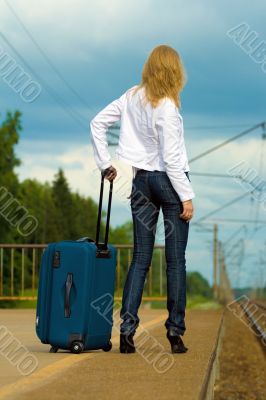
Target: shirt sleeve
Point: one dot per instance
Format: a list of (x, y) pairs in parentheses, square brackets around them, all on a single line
[(98, 128), (171, 136)]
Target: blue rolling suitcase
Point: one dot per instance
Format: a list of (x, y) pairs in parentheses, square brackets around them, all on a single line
[(76, 277)]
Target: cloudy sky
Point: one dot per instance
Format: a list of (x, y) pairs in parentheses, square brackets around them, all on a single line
[(84, 54)]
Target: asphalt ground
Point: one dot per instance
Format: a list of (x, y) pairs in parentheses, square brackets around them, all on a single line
[(151, 372)]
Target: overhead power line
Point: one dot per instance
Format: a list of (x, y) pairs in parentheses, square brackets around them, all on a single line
[(216, 127), (234, 234), (218, 146), (213, 175), (206, 127), (47, 59), (259, 188), (242, 221), (214, 148), (259, 173), (73, 114), (221, 208)]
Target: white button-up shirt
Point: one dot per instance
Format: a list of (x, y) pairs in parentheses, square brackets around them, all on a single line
[(150, 138)]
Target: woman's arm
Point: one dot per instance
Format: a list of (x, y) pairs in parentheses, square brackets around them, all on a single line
[(170, 130), (99, 126)]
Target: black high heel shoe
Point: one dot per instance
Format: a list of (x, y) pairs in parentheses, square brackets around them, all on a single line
[(127, 343), (177, 345)]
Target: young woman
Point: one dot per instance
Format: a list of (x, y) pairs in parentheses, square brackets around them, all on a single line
[(152, 141)]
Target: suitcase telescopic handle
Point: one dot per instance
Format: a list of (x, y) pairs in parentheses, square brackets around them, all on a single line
[(102, 249), (68, 286)]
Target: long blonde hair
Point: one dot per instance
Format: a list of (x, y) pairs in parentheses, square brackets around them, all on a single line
[(163, 75)]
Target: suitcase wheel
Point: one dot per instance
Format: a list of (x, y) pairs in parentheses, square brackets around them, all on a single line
[(53, 349), (77, 347), (108, 346)]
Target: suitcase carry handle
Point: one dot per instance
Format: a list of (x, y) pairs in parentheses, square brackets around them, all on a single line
[(85, 239), (102, 249), (68, 286)]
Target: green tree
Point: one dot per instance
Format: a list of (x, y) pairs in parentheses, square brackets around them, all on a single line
[(65, 210), (122, 234), (85, 217), (197, 285), (9, 137), (38, 200)]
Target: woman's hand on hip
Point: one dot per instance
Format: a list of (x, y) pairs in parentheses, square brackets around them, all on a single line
[(110, 173), (188, 210)]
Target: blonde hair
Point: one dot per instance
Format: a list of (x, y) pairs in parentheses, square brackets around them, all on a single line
[(163, 75)]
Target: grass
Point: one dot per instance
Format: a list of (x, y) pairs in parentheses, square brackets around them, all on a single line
[(29, 304), (193, 302), (198, 302)]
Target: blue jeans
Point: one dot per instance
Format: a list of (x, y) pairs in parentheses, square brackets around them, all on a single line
[(150, 192)]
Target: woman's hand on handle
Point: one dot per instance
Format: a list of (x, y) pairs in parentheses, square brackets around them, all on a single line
[(110, 173), (188, 210)]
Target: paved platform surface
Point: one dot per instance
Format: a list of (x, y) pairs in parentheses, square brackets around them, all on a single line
[(152, 372)]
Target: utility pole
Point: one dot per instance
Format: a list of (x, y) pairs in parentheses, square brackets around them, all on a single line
[(222, 280), (219, 270), (215, 245)]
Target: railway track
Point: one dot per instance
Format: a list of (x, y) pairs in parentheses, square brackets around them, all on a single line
[(241, 366), (255, 312)]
